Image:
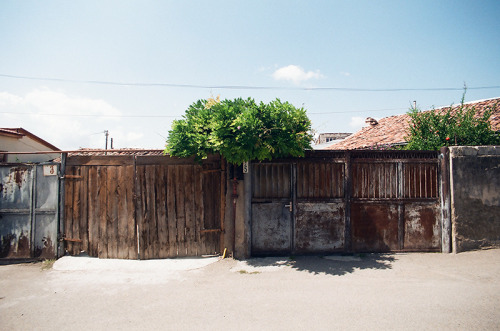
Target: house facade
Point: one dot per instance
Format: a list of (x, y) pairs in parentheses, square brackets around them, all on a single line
[(23, 141)]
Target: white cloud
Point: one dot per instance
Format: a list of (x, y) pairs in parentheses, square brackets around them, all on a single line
[(57, 118), (295, 74), (345, 73), (357, 122)]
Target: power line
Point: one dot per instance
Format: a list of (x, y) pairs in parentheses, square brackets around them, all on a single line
[(246, 87), (91, 115), (177, 116), (356, 111)]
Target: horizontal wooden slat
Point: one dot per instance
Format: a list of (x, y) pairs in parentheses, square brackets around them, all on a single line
[(108, 160)]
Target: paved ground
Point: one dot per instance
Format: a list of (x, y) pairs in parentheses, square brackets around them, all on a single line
[(372, 292)]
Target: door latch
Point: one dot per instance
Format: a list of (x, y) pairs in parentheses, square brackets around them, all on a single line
[(289, 207)]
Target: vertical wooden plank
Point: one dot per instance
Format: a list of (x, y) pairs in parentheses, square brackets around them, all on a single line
[(348, 189), (222, 203), (300, 177), (148, 218), (161, 212), (151, 211), (84, 219), (180, 211), (146, 225), (77, 212), (322, 180), (112, 212), (266, 178), (93, 217), (68, 208), (199, 209), (341, 173), (256, 188), (319, 183), (171, 210), (102, 211), (329, 182), (189, 210), (121, 212), (140, 213), (310, 180), (130, 211)]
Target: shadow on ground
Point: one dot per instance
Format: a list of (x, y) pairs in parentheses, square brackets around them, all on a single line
[(18, 261), (336, 265)]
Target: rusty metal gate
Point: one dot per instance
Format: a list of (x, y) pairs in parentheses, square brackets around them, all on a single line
[(29, 210), (346, 202)]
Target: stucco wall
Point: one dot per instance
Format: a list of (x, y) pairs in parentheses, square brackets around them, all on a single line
[(25, 144), (475, 197)]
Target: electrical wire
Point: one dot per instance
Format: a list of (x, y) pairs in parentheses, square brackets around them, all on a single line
[(245, 87), (91, 115)]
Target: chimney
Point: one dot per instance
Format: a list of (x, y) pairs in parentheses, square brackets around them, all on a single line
[(371, 121)]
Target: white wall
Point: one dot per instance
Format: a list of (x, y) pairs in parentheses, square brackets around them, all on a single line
[(25, 144)]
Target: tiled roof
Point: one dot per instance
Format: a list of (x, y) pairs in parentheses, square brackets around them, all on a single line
[(393, 130), (127, 151)]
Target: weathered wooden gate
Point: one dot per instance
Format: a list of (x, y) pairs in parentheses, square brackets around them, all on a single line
[(346, 201), (144, 207)]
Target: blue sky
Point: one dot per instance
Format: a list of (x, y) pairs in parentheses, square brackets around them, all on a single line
[(291, 48)]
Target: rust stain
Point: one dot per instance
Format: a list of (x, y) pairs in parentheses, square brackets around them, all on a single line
[(374, 227), (422, 227), (13, 247), (47, 251)]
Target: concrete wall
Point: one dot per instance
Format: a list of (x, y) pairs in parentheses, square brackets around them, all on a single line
[(475, 197)]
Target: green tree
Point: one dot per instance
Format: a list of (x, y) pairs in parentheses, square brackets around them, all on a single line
[(462, 126), (240, 130)]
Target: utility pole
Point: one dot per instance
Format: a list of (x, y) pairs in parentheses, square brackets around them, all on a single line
[(106, 133)]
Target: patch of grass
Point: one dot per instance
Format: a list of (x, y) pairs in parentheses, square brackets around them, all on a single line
[(362, 255), (47, 264), (248, 273)]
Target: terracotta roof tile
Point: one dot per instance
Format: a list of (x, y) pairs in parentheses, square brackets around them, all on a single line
[(393, 130), (126, 151)]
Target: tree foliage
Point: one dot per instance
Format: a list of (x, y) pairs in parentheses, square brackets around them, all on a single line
[(240, 130), (463, 126)]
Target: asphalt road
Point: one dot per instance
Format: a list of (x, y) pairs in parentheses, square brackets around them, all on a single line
[(373, 292)]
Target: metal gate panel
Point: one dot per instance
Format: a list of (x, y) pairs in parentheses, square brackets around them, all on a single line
[(46, 211), (29, 204), (15, 211), (271, 229), (375, 227), (422, 230), (319, 228), (272, 209)]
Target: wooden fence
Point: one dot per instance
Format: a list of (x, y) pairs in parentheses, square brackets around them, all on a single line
[(145, 207)]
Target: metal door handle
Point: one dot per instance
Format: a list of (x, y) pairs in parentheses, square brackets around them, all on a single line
[(289, 206)]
